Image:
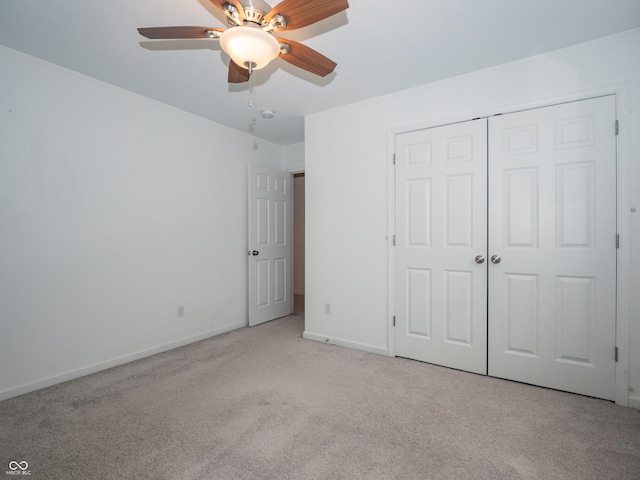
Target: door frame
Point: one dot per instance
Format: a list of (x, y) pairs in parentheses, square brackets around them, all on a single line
[(623, 215)]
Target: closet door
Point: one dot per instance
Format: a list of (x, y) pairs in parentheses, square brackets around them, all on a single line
[(552, 228), (441, 242)]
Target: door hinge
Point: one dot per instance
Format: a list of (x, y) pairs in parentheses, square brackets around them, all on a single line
[(617, 127), (617, 240), (616, 353), (394, 320), (393, 240), (394, 158)]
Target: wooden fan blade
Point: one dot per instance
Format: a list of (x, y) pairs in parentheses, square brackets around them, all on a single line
[(237, 74), (176, 32), (300, 13), (307, 58)]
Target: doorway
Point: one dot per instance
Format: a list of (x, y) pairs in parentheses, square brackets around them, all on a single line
[(505, 261), (298, 243)]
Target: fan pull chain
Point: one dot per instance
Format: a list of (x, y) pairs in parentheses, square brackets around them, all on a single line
[(252, 99)]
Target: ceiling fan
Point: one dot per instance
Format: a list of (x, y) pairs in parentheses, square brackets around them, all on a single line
[(250, 40)]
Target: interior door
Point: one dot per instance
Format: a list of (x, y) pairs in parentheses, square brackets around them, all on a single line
[(552, 227), (441, 245), (270, 244)]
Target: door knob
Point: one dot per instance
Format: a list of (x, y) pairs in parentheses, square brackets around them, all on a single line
[(255, 252), (495, 259), (479, 259)]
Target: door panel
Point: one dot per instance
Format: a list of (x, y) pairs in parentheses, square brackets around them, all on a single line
[(270, 244), (522, 220), (458, 302), (440, 228), (521, 305), (552, 214)]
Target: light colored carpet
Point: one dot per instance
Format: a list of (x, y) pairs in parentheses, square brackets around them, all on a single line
[(262, 403)]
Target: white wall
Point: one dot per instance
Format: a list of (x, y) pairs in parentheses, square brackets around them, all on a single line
[(347, 174), (293, 157), (114, 210)]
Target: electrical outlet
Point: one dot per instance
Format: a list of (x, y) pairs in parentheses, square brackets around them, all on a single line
[(327, 309), (180, 311)]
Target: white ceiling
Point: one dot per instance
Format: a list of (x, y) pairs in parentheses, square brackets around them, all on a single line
[(380, 47)]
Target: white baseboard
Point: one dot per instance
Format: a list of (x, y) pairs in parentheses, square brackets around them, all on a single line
[(345, 343), (81, 372), (634, 402)]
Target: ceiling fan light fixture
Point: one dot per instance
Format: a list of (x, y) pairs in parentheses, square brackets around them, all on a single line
[(249, 46)]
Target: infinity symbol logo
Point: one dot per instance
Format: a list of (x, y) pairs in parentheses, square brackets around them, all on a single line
[(13, 465)]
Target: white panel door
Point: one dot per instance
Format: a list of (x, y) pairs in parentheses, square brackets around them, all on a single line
[(270, 244), (552, 223), (441, 218)]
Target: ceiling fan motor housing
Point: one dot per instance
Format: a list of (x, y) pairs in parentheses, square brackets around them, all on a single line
[(253, 15)]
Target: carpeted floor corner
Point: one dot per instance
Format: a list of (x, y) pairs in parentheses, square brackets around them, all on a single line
[(263, 403)]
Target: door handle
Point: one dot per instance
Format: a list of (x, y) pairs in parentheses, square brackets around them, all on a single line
[(479, 259), (496, 259), (255, 252)]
